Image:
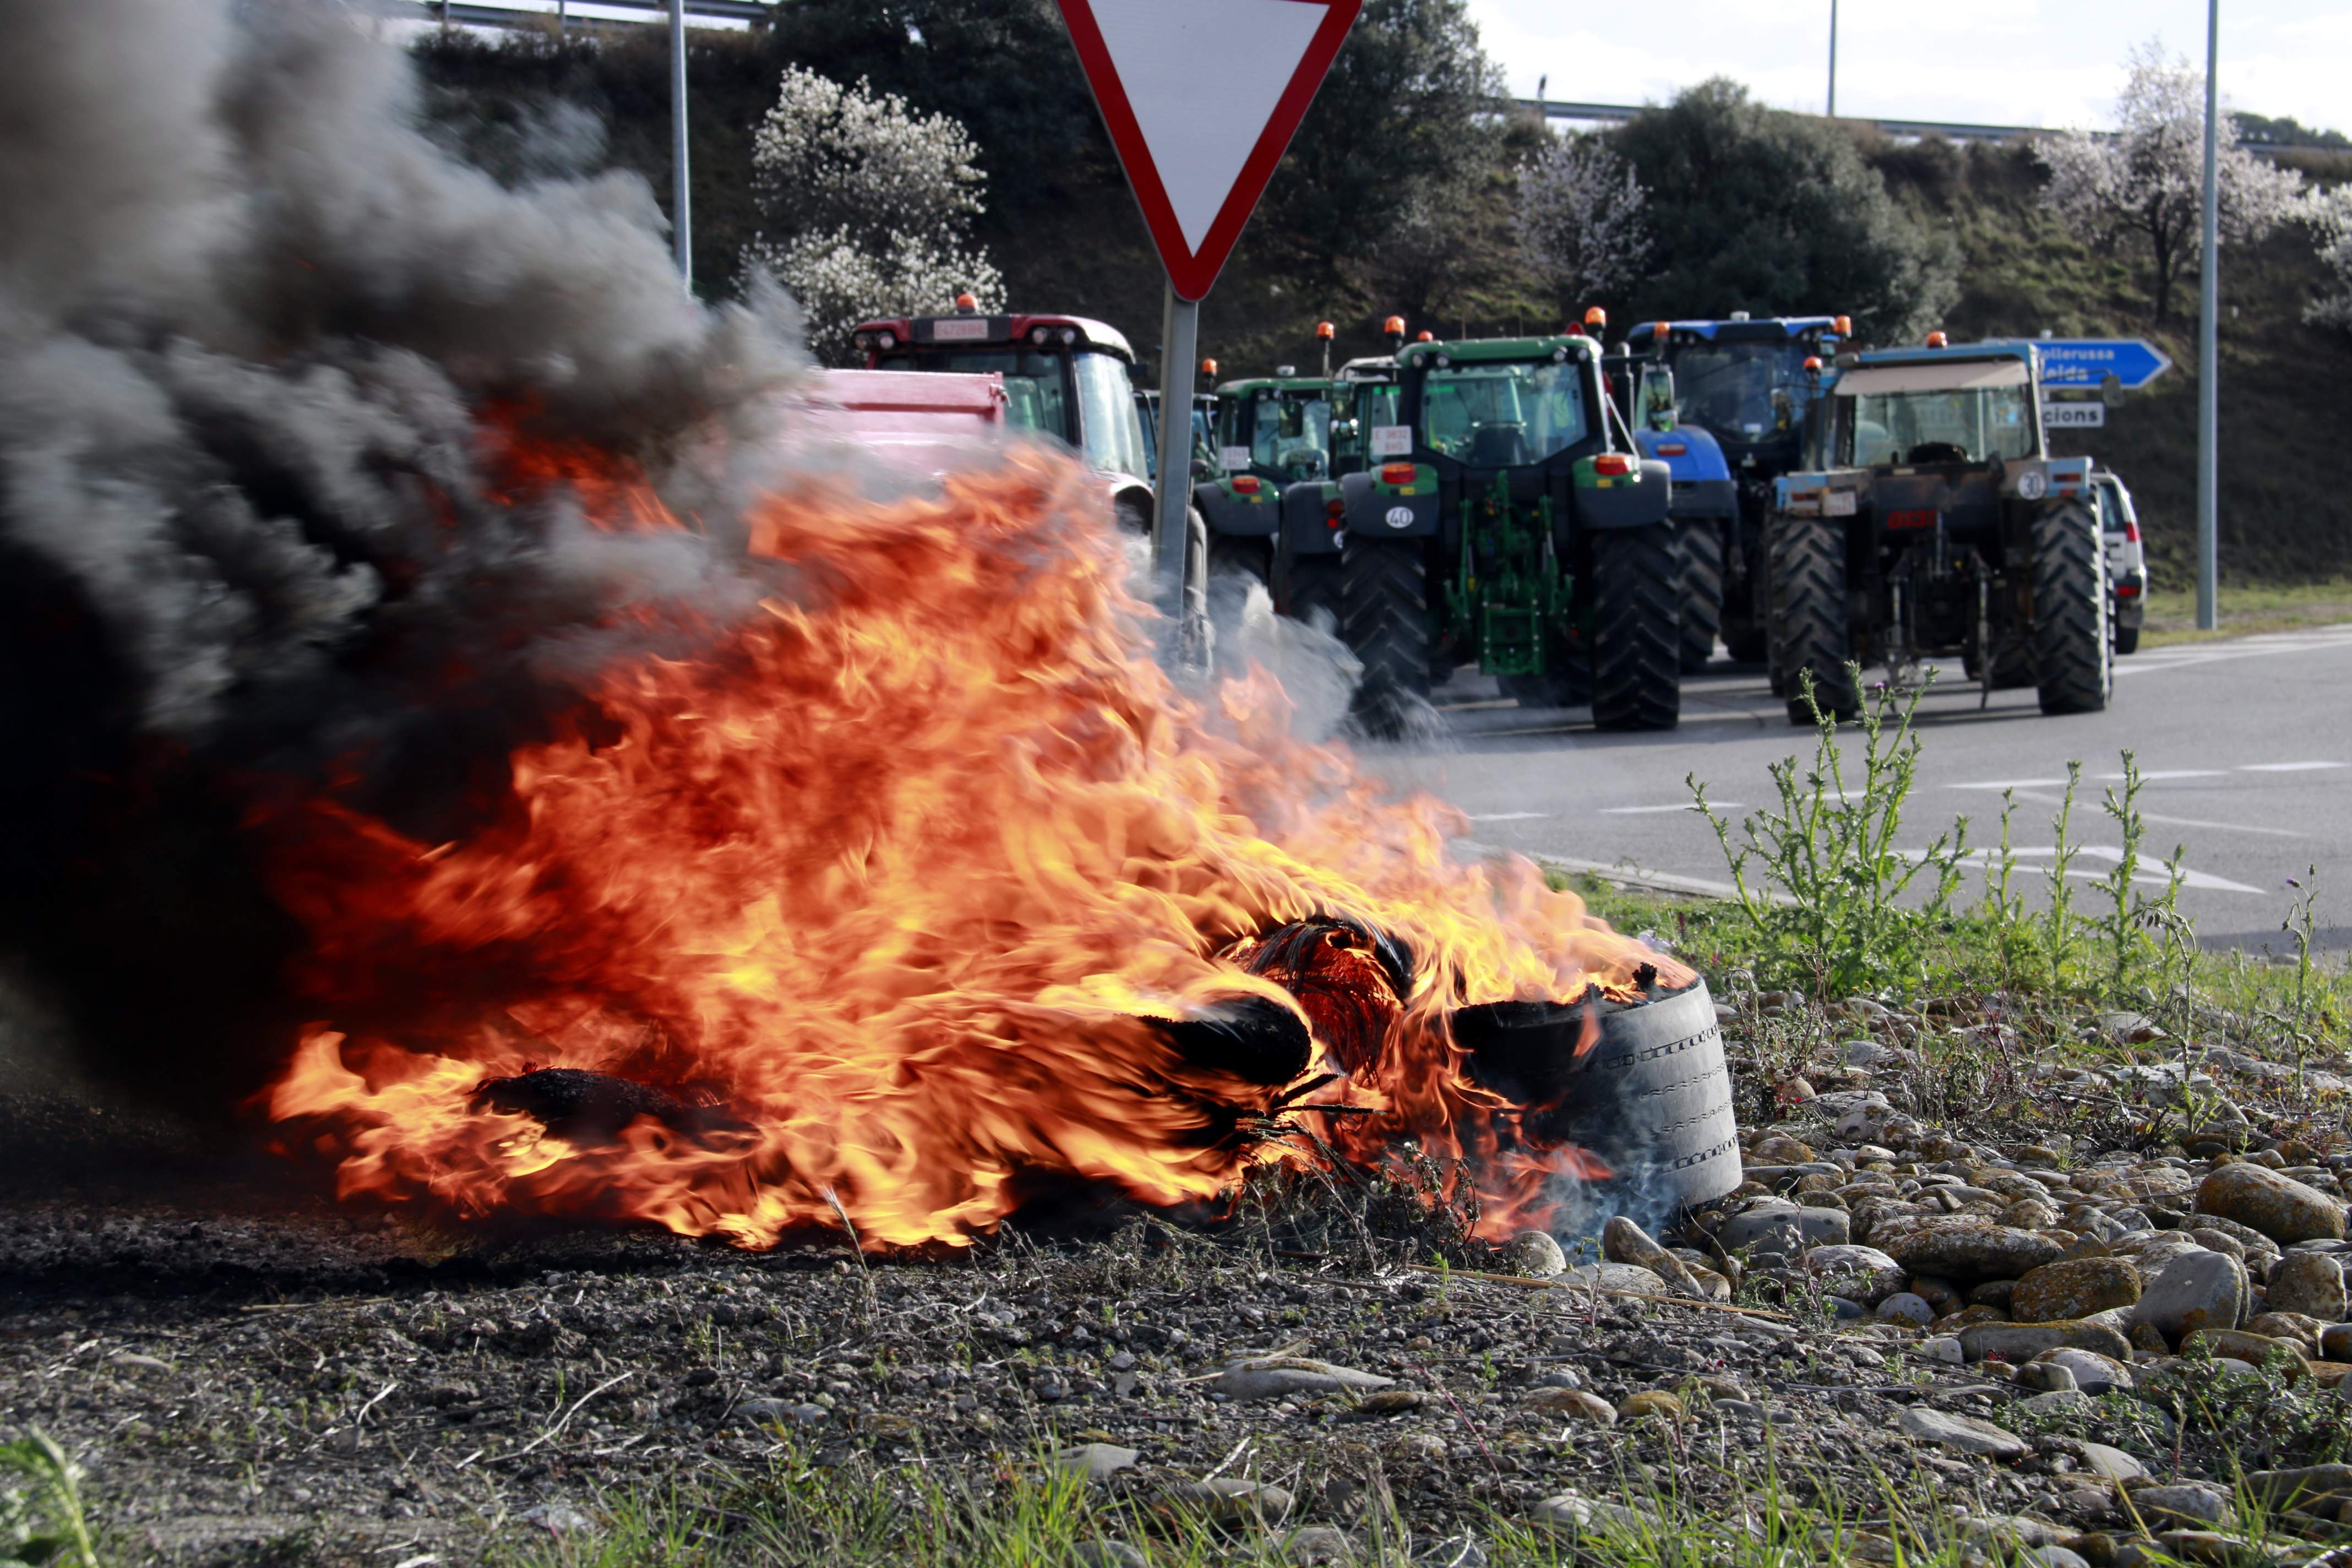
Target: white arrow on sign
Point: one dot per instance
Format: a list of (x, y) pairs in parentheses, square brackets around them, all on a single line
[(1201, 98)]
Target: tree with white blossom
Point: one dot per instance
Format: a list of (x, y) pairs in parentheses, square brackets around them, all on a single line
[(2328, 214), (1582, 219), (2143, 183), (866, 207)]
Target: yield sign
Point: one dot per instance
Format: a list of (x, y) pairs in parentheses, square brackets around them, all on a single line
[(1201, 98)]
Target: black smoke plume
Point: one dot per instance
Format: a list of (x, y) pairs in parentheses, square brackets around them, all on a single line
[(257, 335)]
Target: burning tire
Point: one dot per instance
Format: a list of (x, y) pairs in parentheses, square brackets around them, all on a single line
[(1808, 615), (2074, 652), (1701, 591), (1637, 634), (1651, 1098)]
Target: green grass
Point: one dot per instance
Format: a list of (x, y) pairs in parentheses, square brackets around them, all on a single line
[(2246, 608)]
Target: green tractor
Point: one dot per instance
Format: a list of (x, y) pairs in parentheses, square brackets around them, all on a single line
[(1314, 512), (1272, 432), (1504, 519)]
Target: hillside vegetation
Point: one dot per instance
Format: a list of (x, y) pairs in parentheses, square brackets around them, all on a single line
[(1399, 198)]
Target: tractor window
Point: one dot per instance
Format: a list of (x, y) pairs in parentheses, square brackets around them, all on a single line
[(1035, 391), (1501, 416), (1112, 431), (1969, 424), (1291, 434), (1744, 392)]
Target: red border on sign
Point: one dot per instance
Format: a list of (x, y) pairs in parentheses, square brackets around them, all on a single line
[(1191, 272)]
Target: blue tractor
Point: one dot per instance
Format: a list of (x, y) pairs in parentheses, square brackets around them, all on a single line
[(1748, 385), (1704, 505)]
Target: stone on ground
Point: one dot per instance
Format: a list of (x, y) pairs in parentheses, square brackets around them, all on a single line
[(1967, 1433), (2074, 1288), (1272, 1377), (2279, 1206), (2196, 1290), (2308, 1282), (1962, 1246)]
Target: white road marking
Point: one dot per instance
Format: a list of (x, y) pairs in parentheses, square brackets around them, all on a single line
[(2159, 873), (2060, 800), (1654, 810), (2284, 767), (1511, 816), (2011, 783), (2170, 773)]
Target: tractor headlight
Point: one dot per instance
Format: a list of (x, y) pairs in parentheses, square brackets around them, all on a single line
[(886, 340), (2033, 484)]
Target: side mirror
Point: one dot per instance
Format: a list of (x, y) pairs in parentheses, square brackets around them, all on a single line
[(1203, 469)]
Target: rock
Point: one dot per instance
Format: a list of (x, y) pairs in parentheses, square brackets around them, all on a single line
[(2045, 1377), (1860, 1274), (2111, 1464), (2296, 1329), (1102, 1552), (2053, 1556), (2308, 1282), (2254, 1350), (1966, 1433), (1994, 1293), (1576, 1404), (1271, 1378), (1781, 1149), (1614, 1277), (1392, 1401), (1454, 1551), (1651, 1402), (1316, 1545), (2093, 1372), (2336, 1342), (1229, 1497), (1095, 1461), (1905, 1307), (2279, 1206), (1939, 1293), (2023, 1342), (1622, 1241), (2196, 1290), (1533, 1253), (2074, 1288), (559, 1519), (1962, 1246), (779, 1413), (2291, 1487), (1574, 1512), (2183, 1499), (1944, 1349)]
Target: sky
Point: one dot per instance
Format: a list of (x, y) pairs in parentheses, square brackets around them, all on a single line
[(1994, 62)]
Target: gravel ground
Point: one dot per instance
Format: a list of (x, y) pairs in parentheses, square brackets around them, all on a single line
[(252, 1374)]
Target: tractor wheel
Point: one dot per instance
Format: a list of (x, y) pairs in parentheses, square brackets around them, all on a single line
[(1384, 621), (2127, 639), (1241, 558), (1637, 630), (1808, 615), (1701, 589), (1311, 583), (2073, 657)]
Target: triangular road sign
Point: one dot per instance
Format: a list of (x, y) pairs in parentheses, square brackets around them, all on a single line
[(1201, 98)]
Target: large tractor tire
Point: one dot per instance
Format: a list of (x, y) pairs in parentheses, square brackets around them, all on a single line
[(1807, 560), (2127, 640), (1637, 630), (1384, 621), (2074, 652), (1701, 589), (1311, 583), (1241, 558)]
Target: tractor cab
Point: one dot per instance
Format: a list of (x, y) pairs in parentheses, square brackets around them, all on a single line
[(1364, 398), (1066, 378), (1744, 381), (1205, 434), (1276, 429)]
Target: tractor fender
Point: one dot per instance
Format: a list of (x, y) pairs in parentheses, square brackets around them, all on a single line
[(1239, 514), (1378, 510), (1310, 525), (1626, 502)]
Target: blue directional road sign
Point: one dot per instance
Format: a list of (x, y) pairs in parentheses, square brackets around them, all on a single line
[(2089, 362)]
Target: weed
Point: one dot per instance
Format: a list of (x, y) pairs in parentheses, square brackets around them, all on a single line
[(2058, 922), (41, 1518), (1830, 904)]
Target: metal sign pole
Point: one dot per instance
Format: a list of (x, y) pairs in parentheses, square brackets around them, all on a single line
[(1832, 59), (682, 199), (1171, 553), (2209, 353)]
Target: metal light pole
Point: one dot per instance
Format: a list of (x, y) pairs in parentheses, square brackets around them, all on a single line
[(2209, 353), (1171, 544), (682, 200), (1832, 59)]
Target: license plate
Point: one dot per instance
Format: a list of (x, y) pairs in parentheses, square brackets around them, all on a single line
[(1837, 503), (1913, 517), (972, 331)]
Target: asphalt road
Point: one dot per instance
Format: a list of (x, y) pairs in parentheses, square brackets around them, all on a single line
[(2246, 746)]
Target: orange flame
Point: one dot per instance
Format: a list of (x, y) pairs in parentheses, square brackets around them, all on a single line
[(887, 888)]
